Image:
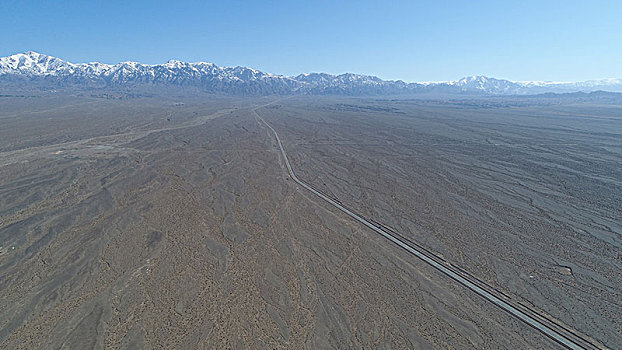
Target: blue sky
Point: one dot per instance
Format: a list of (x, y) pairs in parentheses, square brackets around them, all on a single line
[(409, 40)]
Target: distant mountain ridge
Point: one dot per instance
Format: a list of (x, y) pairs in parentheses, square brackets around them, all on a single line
[(39, 69)]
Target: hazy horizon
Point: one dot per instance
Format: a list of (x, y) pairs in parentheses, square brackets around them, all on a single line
[(340, 73)]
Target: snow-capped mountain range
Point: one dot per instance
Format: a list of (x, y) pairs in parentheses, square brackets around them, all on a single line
[(47, 71)]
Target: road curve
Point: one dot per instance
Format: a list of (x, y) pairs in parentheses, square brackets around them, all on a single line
[(553, 329)]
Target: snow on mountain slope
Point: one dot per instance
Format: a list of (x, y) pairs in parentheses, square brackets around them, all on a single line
[(33, 63), (34, 67)]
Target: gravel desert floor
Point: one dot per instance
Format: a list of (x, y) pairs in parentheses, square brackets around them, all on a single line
[(172, 223)]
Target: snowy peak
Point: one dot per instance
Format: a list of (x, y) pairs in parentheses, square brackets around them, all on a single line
[(39, 68), (479, 82), (33, 63), (483, 84), (36, 68)]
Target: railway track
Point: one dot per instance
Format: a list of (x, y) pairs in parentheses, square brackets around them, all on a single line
[(537, 319)]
